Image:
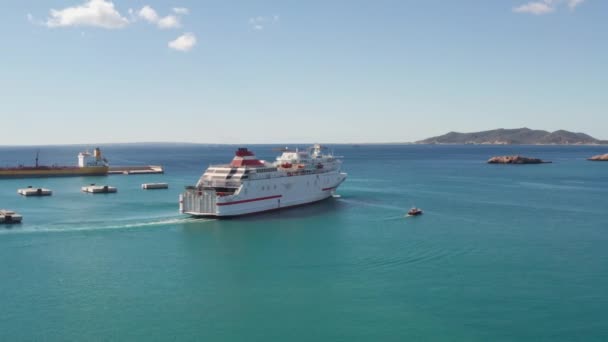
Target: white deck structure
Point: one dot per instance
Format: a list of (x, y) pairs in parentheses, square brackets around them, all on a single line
[(30, 191), (9, 216), (153, 186), (99, 189)]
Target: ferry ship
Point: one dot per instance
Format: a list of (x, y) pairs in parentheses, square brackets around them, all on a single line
[(89, 164), (248, 185)]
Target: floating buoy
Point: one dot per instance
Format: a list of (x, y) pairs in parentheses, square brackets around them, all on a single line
[(99, 189), (29, 191), (152, 186)]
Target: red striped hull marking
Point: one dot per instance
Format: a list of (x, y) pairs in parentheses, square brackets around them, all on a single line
[(325, 189), (250, 200)]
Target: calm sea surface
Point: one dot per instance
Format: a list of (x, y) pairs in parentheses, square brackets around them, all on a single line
[(502, 253)]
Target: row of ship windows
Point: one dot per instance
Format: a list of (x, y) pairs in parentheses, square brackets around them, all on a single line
[(241, 177), (268, 169), (267, 187), (222, 177), (258, 170), (224, 171)]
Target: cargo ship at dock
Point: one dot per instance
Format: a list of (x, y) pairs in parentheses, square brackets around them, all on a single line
[(248, 185), (89, 164)]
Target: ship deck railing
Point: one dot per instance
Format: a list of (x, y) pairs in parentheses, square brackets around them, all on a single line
[(220, 184)]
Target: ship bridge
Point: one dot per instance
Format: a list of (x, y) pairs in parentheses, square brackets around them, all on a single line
[(95, 159), (315, 158)]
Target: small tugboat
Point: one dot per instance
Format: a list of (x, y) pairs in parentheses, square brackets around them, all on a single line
[(9, 216), (414, 212)]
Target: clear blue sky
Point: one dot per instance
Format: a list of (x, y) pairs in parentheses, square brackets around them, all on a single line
[(298, 71)]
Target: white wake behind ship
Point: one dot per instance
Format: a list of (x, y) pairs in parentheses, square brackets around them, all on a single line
[(248, 185)]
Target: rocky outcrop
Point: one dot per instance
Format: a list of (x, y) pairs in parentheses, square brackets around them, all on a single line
[(601, 157), (515, 160)]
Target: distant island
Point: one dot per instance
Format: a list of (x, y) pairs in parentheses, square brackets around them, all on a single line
[(518, 136)]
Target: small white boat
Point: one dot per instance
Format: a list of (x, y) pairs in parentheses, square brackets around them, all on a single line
[(414, 212), (99, 189), (9, 216), (151, 186), (31, 191)]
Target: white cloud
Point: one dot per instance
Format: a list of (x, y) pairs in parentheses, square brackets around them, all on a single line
[(181, 10), (258, 23), (169, 21), (102, 13), (545, 6), (573, 3), (150, 15), (536, 7), (96, 13), (184, 43)]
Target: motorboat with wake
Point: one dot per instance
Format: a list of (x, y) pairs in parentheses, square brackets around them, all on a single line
[(414, 212)]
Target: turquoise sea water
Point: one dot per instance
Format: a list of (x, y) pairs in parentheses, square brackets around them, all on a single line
[(502, 253)]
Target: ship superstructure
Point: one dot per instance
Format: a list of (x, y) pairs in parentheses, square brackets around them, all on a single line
[(248, 185)]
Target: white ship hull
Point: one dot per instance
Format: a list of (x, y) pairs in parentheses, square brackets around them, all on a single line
[(248, 185), (261, 195)]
